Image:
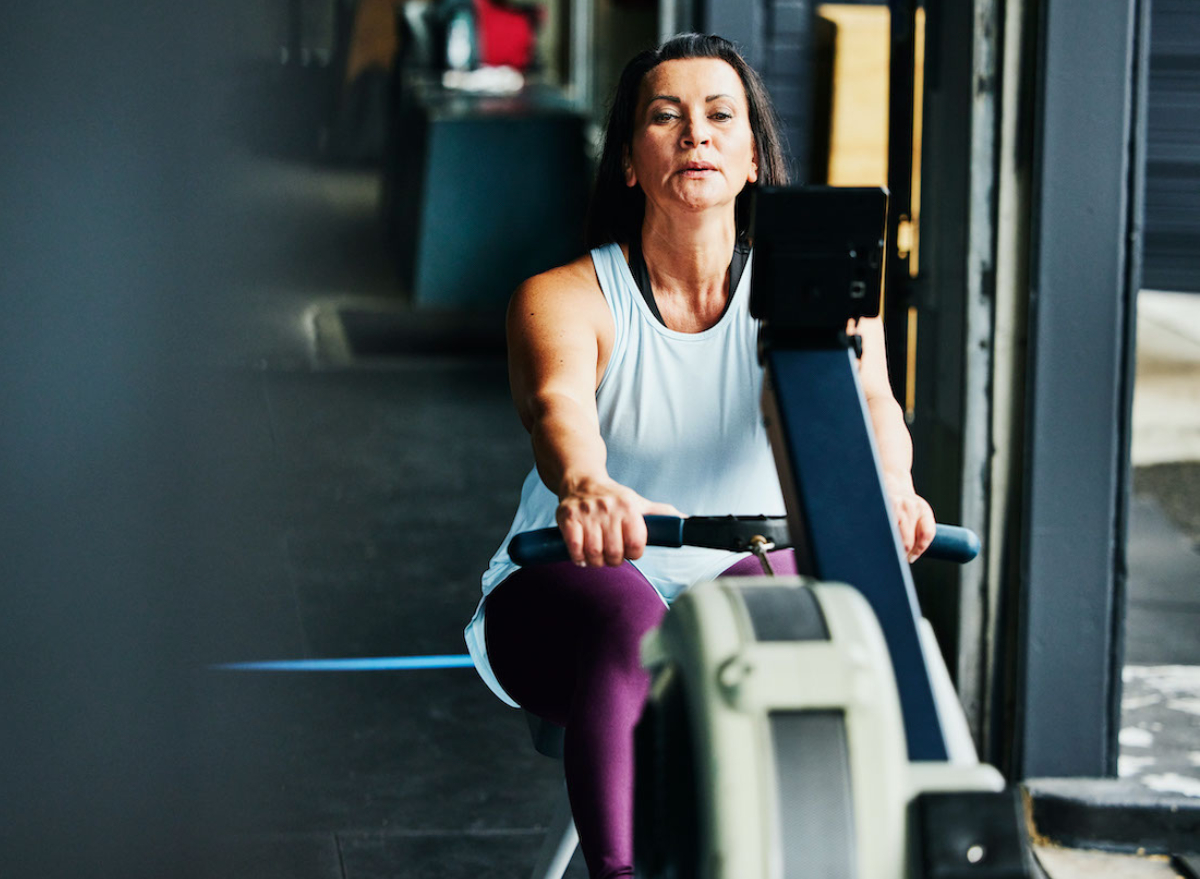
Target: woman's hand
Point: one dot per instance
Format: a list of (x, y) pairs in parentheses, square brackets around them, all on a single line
[(602, 522), (914, 516)]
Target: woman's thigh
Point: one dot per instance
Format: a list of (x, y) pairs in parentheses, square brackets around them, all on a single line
[(545, 623), (783, 563)]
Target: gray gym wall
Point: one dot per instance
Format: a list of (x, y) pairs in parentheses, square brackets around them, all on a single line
[(112, 497)]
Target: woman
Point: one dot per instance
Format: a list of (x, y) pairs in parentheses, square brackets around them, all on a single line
[(634, 370)]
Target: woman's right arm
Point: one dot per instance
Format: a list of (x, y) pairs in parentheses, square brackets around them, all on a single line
[(557, 323)]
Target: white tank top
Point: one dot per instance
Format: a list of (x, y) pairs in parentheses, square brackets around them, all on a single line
[(680, 417)]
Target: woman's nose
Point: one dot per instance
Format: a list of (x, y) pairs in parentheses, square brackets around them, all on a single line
[(696, 134)]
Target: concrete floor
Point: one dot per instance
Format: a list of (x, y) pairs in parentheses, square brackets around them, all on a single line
[(382, 486), (1166, 401), (1160, 736), (1064, 863)]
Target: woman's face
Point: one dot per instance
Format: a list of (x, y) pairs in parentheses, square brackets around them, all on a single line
[(692, 144)]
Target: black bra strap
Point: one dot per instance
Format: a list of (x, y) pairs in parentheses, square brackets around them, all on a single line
[(641, 274)]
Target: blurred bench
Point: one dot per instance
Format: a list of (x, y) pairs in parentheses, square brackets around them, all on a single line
[(480, 192)]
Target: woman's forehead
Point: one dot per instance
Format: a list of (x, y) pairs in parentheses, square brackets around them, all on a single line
[(692, 77)]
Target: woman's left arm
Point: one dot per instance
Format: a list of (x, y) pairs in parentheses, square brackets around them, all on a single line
[(914, 517)]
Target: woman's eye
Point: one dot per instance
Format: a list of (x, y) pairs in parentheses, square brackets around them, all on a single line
[(721, 116), (663, 117)]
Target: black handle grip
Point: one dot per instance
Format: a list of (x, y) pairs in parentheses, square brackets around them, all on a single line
[(951, 543), (546, 546)]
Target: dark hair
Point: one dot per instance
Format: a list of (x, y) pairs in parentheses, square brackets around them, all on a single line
[(615, 212)]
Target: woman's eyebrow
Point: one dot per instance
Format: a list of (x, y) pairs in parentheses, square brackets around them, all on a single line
[(675, 99)]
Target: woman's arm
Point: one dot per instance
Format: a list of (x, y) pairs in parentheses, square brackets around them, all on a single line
[(558, 325), (914, 517)]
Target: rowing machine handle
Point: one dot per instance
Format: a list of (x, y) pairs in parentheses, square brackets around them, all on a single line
[(951, 543), (546, 545)]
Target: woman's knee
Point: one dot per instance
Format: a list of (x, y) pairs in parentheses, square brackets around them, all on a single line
[(546, 620), (620, 622)]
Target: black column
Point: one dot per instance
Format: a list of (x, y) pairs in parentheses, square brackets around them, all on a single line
[(1086, 214), (898, 298)]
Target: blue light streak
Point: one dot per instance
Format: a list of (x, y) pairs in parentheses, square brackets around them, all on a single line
[(376, 663)]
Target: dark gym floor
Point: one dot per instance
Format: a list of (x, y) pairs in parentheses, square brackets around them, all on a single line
[(381, 488), (390, 486)]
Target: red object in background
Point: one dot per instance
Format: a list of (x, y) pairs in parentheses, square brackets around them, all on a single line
[(507, 34)]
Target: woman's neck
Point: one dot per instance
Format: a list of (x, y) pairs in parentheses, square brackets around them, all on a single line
[(688, 261)]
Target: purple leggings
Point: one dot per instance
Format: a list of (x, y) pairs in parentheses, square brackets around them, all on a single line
[(563, 641)]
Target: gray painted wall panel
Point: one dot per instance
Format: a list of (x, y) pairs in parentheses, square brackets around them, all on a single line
[(1080, 305)]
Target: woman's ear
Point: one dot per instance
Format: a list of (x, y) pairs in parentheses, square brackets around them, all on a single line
[(627, 167), (752, 177)]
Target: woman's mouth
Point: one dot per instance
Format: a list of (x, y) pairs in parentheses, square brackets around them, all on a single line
[(697, 169)]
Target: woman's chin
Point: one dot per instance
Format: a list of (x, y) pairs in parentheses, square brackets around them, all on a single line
[(699, 205), (705, 197)]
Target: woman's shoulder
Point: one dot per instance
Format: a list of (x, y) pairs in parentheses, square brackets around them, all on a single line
[(571, 283), (562, 309)]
